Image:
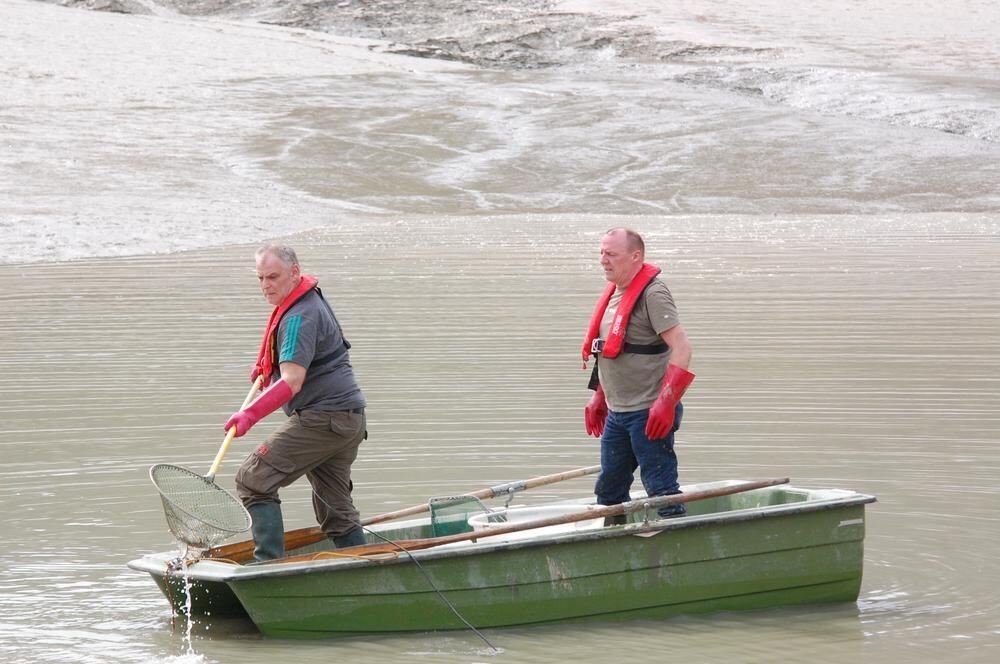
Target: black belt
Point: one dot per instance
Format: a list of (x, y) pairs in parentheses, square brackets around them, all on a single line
[(354, 411)]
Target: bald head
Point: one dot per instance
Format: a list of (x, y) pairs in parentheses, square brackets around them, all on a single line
[(622, 255), (633, 241)]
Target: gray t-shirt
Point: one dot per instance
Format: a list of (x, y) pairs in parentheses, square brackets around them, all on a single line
[(632, 381), (309, 335)]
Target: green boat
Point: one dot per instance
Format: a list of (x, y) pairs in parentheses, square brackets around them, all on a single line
[(738, 547)]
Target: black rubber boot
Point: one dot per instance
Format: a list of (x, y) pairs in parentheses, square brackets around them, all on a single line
[(354, 537), (672, 510), (268, 531)]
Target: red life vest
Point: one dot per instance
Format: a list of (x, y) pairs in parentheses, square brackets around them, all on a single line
[(616, 336), (266, 359)]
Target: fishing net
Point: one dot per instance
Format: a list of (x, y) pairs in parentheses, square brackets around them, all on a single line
[(199, 512), (450, 514)]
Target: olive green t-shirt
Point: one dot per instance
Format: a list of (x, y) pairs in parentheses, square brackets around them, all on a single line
[(631, 381)]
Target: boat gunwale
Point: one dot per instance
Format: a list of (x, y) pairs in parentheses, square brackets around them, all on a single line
[(225, 572)]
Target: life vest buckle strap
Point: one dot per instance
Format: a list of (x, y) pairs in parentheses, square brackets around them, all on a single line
[(646, 349), (597, 345)]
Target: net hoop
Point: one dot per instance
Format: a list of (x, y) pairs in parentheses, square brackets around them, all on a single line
[(199, 512)]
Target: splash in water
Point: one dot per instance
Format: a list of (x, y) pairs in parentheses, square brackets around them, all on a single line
[(181, 564)]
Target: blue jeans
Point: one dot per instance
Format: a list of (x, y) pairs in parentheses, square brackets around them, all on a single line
[(625, 447)]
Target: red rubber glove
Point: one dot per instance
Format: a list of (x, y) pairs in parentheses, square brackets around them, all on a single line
[(595, 413), (269, 401), (254, 373), (661, 414)]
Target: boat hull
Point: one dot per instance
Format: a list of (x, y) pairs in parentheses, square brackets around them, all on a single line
[(751, 564), (207, 598), (780, 546)]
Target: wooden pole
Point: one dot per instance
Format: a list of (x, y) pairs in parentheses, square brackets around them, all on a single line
[(294, 539), (232, 432), (591, 513)]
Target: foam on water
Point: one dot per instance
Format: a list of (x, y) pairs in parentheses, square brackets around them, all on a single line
[(186, 658), (240, 131), (928, 66)]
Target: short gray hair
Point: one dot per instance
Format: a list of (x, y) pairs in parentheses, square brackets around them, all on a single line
[(283, 252)]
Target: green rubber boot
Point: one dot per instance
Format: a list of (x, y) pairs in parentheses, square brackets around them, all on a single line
[(354, 537), (268, 531)]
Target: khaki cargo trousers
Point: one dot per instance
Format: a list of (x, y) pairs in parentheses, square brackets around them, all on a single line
[(321, 445)]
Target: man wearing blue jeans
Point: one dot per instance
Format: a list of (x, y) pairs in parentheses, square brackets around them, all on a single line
[(641, 373)]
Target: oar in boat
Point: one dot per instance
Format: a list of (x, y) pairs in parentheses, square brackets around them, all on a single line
[(583, 515), (240, 551), (492, 492)]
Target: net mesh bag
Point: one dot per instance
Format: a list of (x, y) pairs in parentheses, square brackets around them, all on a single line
[(450, 514), (199, 512)]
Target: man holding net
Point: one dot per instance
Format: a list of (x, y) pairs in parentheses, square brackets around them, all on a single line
[(307, 372)]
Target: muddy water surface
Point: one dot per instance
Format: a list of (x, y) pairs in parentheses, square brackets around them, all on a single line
[(820, 187), (838, 354)]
